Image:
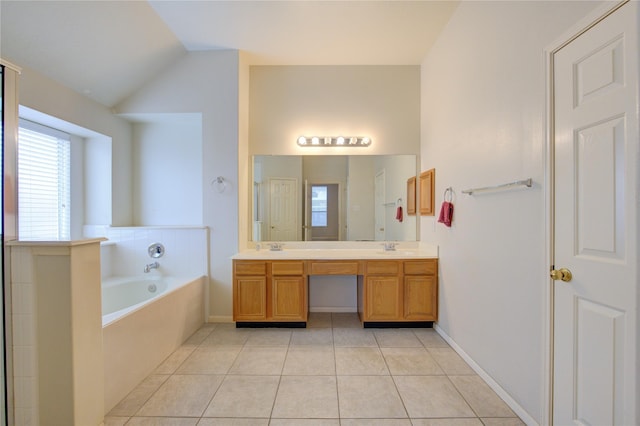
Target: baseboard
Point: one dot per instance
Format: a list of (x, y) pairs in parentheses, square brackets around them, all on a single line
[(517, 408), (220, 318), (333, 309)]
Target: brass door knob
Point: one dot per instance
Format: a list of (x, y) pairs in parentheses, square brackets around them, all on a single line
[(561, 274)]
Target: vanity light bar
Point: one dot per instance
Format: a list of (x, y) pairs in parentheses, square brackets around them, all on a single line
[(334, 141)]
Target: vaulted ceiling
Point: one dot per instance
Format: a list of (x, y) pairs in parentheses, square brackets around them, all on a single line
[(105, 50)]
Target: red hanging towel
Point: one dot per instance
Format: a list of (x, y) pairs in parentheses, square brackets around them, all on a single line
[(399, 214), (446, 211), (446, 214)]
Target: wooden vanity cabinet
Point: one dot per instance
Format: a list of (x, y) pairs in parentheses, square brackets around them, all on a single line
[(403, 290), (249, 290), (421, 290), (269, 291), (382, 291), (276, 291), (288, 291)]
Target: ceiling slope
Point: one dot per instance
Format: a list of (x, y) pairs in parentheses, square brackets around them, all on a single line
[(311, 32), (106, 50), (101, 49)]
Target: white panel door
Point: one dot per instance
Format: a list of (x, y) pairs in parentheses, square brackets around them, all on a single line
[(283, 202), (595, 224)]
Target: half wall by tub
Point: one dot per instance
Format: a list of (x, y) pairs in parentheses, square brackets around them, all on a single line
[(144, 321)]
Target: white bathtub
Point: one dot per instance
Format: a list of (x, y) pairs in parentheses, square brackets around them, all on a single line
[(144, 320), (122, 295)]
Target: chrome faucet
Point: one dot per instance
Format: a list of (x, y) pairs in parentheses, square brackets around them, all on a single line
[(150, 266), (275, 246), (390, 246)]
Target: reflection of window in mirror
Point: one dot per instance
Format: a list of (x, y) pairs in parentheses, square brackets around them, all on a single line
[(318, 205), (325, 215)]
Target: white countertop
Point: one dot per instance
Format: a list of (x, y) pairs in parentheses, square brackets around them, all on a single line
[(337, 251)]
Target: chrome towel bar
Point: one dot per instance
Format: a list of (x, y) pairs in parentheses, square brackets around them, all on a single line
[(526, 182)]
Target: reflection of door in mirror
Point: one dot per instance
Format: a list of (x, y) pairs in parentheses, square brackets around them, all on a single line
[(324, 212), (380, 218), (283, 221)]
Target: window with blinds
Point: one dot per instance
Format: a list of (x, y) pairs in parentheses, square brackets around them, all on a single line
[(44, 187)]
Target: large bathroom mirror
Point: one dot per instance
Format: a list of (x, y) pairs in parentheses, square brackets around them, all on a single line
[(332, 198)]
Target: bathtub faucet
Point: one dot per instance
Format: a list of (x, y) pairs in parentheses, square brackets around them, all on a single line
[(150, 266)]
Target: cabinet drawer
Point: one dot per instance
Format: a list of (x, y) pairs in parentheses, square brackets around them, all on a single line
[(250, 267), (421, 267), (383, 267), (333, 268), (287, 268)]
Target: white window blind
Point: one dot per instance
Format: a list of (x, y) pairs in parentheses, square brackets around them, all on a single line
[(44, 195)]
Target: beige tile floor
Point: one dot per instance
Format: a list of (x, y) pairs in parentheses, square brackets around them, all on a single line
[(332, 373)]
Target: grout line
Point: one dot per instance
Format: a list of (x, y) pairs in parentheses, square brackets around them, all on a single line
[(335, 366), (224, 376), (395, 385)]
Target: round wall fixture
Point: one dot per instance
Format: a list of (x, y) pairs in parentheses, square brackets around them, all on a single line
[(156, 250)]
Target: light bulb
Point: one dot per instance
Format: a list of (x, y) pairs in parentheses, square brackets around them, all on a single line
[(365, 141), (340, 140), (302, 140), (315, 140)]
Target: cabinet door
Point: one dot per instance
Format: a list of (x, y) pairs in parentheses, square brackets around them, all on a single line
[(250, 299), (288, 298), (383, 299), (420, 298)]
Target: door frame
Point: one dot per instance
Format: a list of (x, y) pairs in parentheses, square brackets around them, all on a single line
[(573, 32)]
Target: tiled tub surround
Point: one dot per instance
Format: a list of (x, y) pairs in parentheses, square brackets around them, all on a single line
[(332, 373), (125, 252)]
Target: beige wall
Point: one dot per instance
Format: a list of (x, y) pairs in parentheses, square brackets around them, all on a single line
[(382, 102), (207, 83)]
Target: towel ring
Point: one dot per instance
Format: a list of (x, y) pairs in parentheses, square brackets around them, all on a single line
[(219, 183), (449, 190)]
